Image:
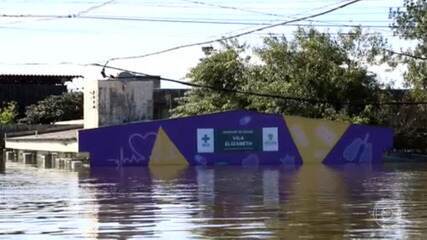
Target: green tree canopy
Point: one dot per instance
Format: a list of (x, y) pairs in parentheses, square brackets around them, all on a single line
[(411, 24), (312, 65), (8, 113), (68, 106), (315, 66), (410, 122), (219, 69)]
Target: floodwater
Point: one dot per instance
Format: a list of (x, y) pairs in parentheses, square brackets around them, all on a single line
[(309, 202)]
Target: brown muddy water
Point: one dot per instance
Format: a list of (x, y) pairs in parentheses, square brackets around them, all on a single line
[(309, 202)]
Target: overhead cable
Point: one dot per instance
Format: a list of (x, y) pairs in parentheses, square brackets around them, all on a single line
[(405, 54), (94, 7), (234, 8), (265, 95), (256, 11), (50, 17), (195, 21), (235, 35)]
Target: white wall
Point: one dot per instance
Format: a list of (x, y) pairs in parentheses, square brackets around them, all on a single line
[(112, 102), (90, 104), (52, 146)]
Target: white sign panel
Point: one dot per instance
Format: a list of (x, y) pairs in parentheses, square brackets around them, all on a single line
[(205, 140), (270, 139)]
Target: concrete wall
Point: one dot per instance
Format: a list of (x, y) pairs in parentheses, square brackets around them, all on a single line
[(125, 101), (18, 128), (166, 100), (90, 104), (52, 146), (112, 102)]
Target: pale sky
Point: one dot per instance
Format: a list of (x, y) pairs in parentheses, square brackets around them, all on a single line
[(62, 46)]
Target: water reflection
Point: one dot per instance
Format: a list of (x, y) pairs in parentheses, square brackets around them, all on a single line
[(311, 201), (40, 204)]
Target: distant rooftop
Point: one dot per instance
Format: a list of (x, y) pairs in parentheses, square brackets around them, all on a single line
[(36, 78)]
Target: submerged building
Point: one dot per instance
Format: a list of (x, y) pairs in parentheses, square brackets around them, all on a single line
[(113, 101), (234, 138), (119, 129)]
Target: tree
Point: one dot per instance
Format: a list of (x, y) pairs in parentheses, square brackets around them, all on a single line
[(410, 121), (68, 106), (219, 69), (312, 65), (8, 113), (411, 24)]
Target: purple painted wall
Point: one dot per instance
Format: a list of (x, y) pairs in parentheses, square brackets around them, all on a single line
[(132, 144)]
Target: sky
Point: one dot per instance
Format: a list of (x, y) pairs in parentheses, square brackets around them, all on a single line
[(51, 45)]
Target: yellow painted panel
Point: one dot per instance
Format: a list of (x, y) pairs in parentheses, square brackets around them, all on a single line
[(315, 138), (165, 152)]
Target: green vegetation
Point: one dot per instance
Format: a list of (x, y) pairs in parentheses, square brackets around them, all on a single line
[(329, 72), (220, 69), (411, 24), (313, 65), (410, 122), (55, 108), (8, 113)]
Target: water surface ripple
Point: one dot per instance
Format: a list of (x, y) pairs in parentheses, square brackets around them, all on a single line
[(309, 202)]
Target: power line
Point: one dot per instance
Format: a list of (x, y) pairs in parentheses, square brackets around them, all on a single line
[(94, 7), (47, 17), (256, 11), (266, 95), (234, 8), (195, 21), (251, 5), (405, 54), (235, 35), (393, 52)]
